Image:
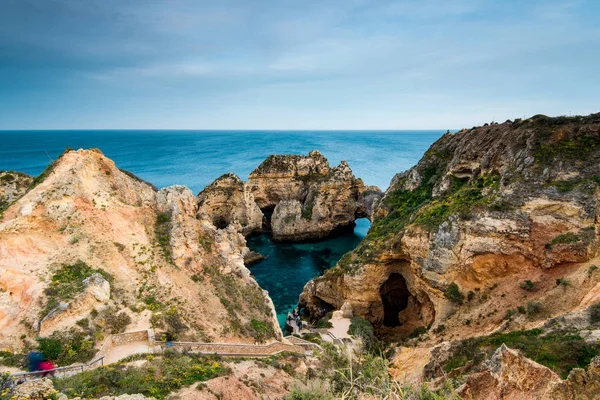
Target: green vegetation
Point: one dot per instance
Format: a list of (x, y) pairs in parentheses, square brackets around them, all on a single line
[(562, 282), (42, 177), (67, 282), (324, 322), (157, 378), (565, 238), (418, 205), (595, 313), (307, 207), (527, 285), (242, 300), (361, 375), (68, 347), (568, 185), (162, 231), (559, 351), (10, 359), (462, 197), (418, 332), (534, 308), (568, 149), (454, 294), (361, 328), (117, 323), (138, 179), (206, 243), (592, 269)]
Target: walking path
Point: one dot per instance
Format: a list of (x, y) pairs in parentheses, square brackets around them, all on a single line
[(120, 346)]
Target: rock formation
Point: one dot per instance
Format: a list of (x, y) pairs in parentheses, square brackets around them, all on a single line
[(84, 211), (485, 210), (13, 185), (227, 200), (295, 197)]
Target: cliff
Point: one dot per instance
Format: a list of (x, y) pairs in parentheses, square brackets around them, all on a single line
[(86, 241), (489, 220), (295, 197)]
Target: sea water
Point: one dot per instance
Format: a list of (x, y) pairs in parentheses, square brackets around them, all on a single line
[(196, 158)]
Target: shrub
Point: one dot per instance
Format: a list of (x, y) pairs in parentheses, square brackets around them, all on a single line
[(562, 281), (68, 347), (527, 285), (592, 269), (116, 323), (534, 307), (259, 330), (470, 295), (595, 313), (564, 238), (521, 310), (418, 332), (454, 294)]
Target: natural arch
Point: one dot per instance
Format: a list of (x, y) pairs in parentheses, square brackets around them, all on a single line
[(395, 297)]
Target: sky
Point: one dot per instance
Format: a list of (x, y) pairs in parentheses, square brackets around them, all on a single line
[(301, 64)]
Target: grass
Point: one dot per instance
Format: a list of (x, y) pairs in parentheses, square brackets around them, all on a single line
[(159, 377), (559, 351)]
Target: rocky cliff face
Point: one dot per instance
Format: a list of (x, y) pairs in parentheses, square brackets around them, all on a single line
[(295, 197), (13, 185), (309, 199), (84, 216), (227, 200), (456, 238)]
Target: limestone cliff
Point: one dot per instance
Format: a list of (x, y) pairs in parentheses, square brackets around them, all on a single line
[(492, 219), (295, 197), (227, 200), (84, 216), (13, 185), (309, 199)]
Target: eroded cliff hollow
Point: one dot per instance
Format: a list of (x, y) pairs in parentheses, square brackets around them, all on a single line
[(296, 197), (87, 242), (492, 220)]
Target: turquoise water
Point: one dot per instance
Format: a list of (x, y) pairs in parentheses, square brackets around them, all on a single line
[(288, 266), (196, 158)]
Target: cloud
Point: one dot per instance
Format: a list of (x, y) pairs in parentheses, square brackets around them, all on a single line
[(353, 57)]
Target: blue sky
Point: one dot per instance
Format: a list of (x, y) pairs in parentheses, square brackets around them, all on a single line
[(302, 64)]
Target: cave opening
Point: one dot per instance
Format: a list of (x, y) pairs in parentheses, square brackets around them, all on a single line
[(267, 214), (394, 296), (220, 222)]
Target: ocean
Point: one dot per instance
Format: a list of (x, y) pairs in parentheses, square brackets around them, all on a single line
[(196, 158)]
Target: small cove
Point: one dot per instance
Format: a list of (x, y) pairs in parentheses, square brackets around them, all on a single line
[(287, 267)]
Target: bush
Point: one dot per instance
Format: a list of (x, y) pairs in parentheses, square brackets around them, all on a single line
[(66, 348), (592, 269), (534, 307), (564, 238), (470, 295), (418, 332), (527, 285), (116, 323), (454, 294), (595, 313), (562, 281)]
